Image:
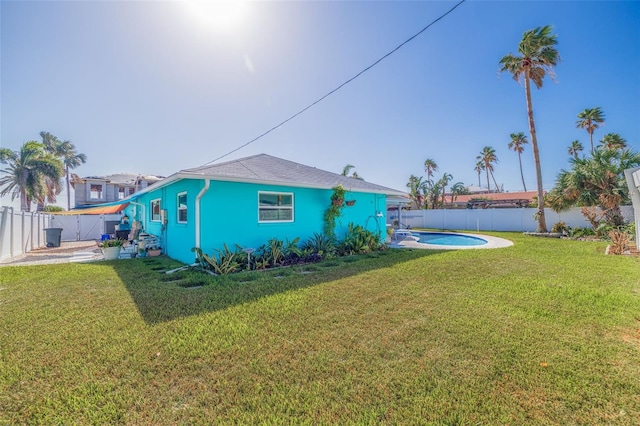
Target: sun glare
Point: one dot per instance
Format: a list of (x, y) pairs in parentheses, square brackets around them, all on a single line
[(222, 15)]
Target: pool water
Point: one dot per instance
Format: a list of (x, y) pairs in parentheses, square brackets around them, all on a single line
[(443, 239)]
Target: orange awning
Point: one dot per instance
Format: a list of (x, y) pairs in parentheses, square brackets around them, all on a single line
[(117, 208)]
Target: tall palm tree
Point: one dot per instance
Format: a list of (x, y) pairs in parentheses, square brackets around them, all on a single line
[(575, 148), (479, 168), (71, 158), (590, 119), (537, 57), (444, 181), (613, 141), (27, 172), (430, 166), (488, 158), (518, 140)]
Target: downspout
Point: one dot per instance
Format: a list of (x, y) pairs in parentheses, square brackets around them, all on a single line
[(203, 191)]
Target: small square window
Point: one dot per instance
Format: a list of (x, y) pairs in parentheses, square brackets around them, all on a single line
[(275, 207)]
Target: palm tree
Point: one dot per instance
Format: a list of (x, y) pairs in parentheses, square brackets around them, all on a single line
[(416, 190), (518, 140), (575, 148), (457, 188), (596, 181), (27, 172), (488, 158), (479, 168), (590, 119), (613, 141), (347, 169), (444, 181), (537, 57), (430, 166), (70, 157)]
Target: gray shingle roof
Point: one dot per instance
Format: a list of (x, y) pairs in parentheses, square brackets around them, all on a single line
[(267, 169)]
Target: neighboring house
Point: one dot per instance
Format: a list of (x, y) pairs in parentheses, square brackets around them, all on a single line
[(495, 200), (93, 190), (250, 201)]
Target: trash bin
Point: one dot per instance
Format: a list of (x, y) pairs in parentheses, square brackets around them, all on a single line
[(53, 236)]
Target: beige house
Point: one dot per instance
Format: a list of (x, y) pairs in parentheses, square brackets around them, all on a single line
[(107, 189)]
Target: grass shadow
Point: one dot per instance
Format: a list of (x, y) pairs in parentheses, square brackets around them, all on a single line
[(163, 297)]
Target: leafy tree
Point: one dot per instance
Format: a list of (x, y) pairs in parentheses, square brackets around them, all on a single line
[(430, 166), (27, 173), (575, 148), (613, 141), (590, 119), (537, 57), (596, 181), (518, 140), (488, 158), (70, 157)]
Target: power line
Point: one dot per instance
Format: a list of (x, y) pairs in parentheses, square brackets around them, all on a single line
[(340, 86)]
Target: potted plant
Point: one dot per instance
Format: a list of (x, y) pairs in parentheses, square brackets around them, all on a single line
[(111, 248), (337, 198)]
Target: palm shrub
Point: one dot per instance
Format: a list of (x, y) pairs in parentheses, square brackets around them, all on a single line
[(277, 252), (358, 240), (319, 244)]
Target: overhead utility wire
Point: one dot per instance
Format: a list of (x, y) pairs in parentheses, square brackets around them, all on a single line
[(340, 86)]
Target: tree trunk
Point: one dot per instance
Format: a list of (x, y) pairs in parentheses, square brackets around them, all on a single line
[(69, 194), (521, 173), (542, 223), (488, 185), (494, 182)]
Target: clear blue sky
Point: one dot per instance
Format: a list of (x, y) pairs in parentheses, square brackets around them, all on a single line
[(151, 88)]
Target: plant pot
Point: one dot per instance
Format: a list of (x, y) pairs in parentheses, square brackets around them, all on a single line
[(155, 252), (350, 202), (337, 202), (111, 253)]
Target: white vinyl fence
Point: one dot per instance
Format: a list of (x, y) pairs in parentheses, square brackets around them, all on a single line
[(21, 232), (512, 219), (85, 227)]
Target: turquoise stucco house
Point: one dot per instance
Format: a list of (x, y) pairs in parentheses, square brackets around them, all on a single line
[(250, 201)]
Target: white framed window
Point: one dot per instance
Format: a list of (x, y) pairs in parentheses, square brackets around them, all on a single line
[(275, 207), (121, 193), (182, 207), (96, 191), (155, 210)]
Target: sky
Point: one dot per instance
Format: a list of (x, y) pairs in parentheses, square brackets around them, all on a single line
[(154, 87)]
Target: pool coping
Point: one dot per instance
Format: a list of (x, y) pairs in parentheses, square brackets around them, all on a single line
[(492, 243)]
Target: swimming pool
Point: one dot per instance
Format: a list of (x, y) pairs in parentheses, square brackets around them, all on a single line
[(445, 239)]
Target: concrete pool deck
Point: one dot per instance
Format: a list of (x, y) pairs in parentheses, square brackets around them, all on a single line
[(492, 243)]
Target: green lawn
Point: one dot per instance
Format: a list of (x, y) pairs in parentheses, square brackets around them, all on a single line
[(544, 332)]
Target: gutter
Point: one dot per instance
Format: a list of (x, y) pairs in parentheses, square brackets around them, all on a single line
[(203, 191)]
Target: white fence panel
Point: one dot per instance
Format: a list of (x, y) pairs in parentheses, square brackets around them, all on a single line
[(83, 227), (514, 219), (21, 232)]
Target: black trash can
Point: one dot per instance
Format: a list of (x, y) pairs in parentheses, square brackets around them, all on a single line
[(53, 236)]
